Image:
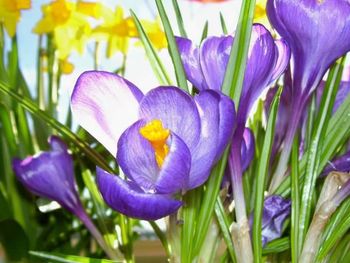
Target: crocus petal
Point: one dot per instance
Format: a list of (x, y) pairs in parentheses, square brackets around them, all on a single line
[(136, 157), (214, 56), (275, 212), (217, 115), (318, 32), (50, 175), (177, 111), (105, 104), (247, 148), (190, 58), (174, 173), (339, 164), (128, 199), (283, 57)]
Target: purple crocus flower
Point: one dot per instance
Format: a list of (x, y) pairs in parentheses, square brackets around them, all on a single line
[(166, 142), (51, 175), (276, 210), (339, 164), (318, 33)]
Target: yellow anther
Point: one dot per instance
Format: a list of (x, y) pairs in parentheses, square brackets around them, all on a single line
[(155, 133)]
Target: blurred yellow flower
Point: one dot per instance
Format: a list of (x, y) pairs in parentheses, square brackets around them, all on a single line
[(66, 67), (10, 13), (260, 14), (68, 23), (117, 31)]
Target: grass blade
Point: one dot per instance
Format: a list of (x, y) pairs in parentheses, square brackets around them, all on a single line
[(156, 63), (261, 177), (56, 257), (223, 24), (234, 75), (174, 52), (180, 22), (205, 31)]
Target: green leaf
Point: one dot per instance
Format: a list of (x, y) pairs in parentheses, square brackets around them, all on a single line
[(224, 224), (57, 257), (295, 248), (234, 75), (261, 176), (32, 108), (223, 24), (212, 188), (180, 22), (314, 153), (13, 239), (277, 246), (172, 46), (205, 31), (156, 63)]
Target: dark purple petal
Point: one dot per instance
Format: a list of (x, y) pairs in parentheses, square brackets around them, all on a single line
[(214, 56), (50, 175), (247, 148), (339, 164), (261, 67), (136, 157), (190, 58), (127, 198), (177, 111), (283, 57), (175, 171), (275, 212), (105, 104), (318, 32)]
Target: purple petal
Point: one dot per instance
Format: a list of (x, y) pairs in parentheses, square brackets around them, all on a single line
[(105, 104), (127, 198), (214, 56), (247, 148), (190, 59), (50, 175), (283, 57), (177, 111), (174, 173), (275, 212), (136, 157), (339, 164), (318, 32)]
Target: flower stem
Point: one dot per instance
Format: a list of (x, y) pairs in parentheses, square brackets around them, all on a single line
[(97, 235), (240, 230)]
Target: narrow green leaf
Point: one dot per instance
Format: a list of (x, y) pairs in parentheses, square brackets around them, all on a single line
[(295, 248), (314, 153), (234, 75), (205, 31), (151, 53), (57, 257), (223, 24), (341, 252), (32, 108), (277, 246), (180, 22), (8, 128), (174, 52), (212, 188), (224, 224), (261, 176), (161, 237)]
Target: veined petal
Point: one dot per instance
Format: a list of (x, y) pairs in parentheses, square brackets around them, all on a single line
[(174, 173), (214, 56), (105, 105), (177, 111), (190, 59), (128, 199), (247, 148), (136, 157), (50, 175), (283, 57)]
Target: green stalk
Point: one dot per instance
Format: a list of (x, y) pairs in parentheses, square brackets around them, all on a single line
[(180, 22)]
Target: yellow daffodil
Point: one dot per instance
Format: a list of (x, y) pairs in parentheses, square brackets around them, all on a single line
[(68, 23), (66, 67), (10, 13), (117, 31), (260, 13)]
